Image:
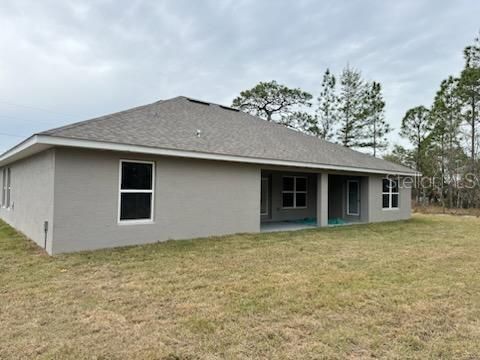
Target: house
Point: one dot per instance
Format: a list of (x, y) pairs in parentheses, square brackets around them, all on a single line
[(183, 168)]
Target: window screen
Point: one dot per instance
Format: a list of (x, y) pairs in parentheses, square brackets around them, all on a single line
[(288, 183), (136, 206), (136, 176), (300, 200), (288, 200)]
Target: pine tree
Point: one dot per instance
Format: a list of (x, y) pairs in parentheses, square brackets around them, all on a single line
[(401, 155), (417, 127), (271, 101), (351, 111), (447, 118), (375, 125), (327, 113), (471, 54), (469, 90), (302, 121)]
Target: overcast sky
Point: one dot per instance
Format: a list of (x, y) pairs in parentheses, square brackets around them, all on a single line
[(63, 61)]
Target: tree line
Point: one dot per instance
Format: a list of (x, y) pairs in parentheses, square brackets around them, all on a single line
[(350, 110), (445, 139)]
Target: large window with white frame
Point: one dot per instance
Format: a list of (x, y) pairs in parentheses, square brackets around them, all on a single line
[(294, 192), (136, 193), (390, 194)]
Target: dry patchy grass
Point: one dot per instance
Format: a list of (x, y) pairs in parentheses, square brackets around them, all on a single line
[(440, 210), (395, 290)]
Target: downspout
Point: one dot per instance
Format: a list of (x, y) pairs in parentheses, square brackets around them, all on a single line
[(45, 230)]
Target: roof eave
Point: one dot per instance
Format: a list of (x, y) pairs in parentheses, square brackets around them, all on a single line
[(40, 142), (26, 148)]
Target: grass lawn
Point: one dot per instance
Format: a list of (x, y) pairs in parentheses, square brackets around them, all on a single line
[(395, 290)]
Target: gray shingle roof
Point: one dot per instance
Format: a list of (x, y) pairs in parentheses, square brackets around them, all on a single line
[(173, 124)]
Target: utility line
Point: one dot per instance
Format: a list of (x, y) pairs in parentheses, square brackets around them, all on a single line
[(13, 135), (35, 108), (28, 120)]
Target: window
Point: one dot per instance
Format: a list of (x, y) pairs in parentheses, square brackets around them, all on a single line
[(137, 180), (294, 192), (4, 186), (9, 187), (390, 194)]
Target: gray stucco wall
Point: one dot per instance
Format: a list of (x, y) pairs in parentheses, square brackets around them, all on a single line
[(276, 212), (32, 184), (193, 198), (76, 191), (376, 213)]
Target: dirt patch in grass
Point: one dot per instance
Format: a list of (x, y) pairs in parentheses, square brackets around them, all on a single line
[(396, 290)]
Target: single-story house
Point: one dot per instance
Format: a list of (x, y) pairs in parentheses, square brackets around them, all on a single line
[(183, 168)]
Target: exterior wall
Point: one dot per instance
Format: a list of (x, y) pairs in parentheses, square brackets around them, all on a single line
[(32, 184), (276, 212), (76, 191), (376, 213), (193, 198)]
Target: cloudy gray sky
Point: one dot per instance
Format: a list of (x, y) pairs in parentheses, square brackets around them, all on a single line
[(63, 61)]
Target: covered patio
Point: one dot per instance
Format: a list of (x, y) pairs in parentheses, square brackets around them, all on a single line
[(301, 200)]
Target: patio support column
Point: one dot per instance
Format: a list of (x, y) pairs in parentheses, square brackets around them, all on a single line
[(365, 199), (322, 199)]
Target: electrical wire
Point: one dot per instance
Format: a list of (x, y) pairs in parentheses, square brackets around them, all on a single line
[(13, 135), (27, 120), (35, 108)]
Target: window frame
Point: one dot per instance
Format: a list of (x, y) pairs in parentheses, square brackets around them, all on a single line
[(121, 191), (390, 194), (4, 187), (353, 181), (295, 192), (8, 201)]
